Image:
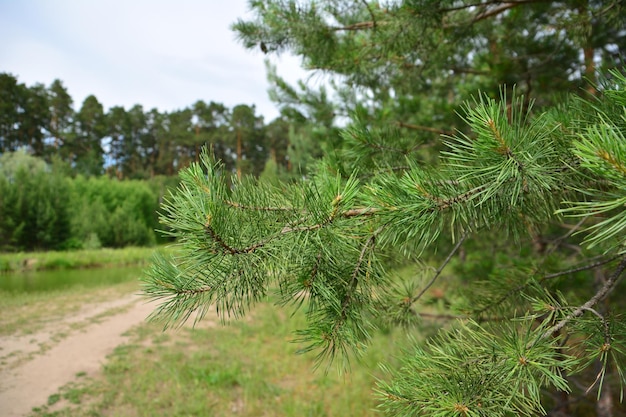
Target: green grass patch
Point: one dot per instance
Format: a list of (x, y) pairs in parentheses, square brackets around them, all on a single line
[(88, 258), (53, 399), (247, 368)]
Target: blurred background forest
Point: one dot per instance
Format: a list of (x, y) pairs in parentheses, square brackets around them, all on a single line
[(85, 178)]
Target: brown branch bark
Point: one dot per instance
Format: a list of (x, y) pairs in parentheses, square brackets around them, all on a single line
[(495, 11), (371, 12), (425, 128), (354, 26), (256, 208), (490, 12)]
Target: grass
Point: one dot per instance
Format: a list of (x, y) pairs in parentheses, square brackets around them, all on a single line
[(92, 258), (247, 368)]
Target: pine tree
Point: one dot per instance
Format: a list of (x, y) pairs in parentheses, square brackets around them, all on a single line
[(513, 218), (543, 192), (408, 65)]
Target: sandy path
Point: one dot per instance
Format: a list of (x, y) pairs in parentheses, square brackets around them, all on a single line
[(29, 381)]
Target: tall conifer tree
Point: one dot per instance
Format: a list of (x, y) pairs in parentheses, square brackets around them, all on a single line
[(516, 215)]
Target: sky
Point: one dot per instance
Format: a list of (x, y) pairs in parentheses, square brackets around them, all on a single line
[(163, 54)]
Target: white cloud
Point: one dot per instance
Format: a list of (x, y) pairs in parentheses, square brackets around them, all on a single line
[(158, 53)]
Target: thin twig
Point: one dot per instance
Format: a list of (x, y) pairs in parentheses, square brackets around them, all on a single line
[(495, 11), (354, 27), (371, 12), (370, 244), (470, 5), (440, 269), (194, 290), (425, 128), (579, 269), (256, 208), (366, 211), (232, 250), (546, 278), (557, 242), (490, 12)]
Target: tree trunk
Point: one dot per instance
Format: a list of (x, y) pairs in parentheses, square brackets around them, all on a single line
[(588, 53), (590, 70)]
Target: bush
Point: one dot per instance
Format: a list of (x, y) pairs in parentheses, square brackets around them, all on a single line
[(42, 208), (113, 213), (33, 204)]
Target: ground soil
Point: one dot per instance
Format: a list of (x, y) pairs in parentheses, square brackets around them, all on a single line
[(35, 366)]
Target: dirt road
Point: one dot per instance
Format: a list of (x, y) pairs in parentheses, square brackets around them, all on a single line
[(35, 366)]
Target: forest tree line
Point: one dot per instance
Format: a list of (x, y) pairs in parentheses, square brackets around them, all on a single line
[(134, 143)]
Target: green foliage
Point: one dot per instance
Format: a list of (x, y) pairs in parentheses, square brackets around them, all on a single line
[(601, 150), (476, 371), (113, 213), (42, 208), (270, 173), (33, 204), (76, 259), (409, 65), (504, 189)]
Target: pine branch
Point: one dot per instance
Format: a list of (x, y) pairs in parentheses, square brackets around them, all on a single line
[(611, 160), (503, 149), (602, 293), (366, 211), (371, 12), (604, 348), (579, 269), (446, 203), (493, 12), (555, 243), (194, 291), (285, 230), (314, 271), (232, 250), (504, 6), (470, 5)]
